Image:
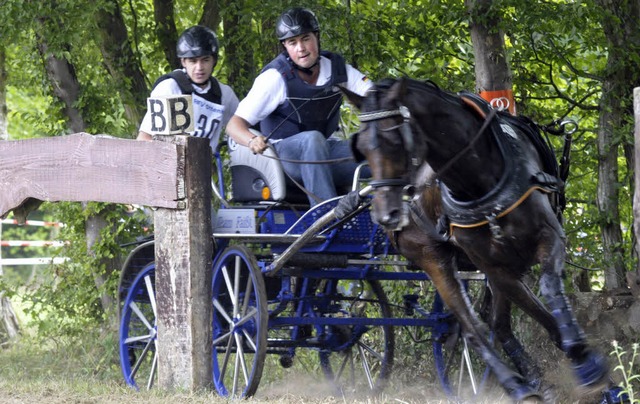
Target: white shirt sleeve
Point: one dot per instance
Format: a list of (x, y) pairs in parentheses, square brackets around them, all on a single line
[(268, 91), (357, 81)]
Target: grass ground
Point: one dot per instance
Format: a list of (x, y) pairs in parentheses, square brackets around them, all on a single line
[(33, 371), (87, 370)]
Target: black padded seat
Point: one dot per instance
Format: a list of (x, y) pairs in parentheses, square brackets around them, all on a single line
[(251, 173)]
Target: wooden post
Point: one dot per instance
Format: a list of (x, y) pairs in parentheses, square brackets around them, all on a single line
[(636, 193), (184, 250)]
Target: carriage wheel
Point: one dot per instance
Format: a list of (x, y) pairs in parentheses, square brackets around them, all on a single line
[(138, 354), (239, 323), (363, 364), (462, 373)]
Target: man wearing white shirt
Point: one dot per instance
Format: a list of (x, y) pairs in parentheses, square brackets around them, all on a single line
[(297, 105), (213, 102)]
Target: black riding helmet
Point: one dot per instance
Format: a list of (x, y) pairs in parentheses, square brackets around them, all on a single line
[(296, 21), (197, 41)]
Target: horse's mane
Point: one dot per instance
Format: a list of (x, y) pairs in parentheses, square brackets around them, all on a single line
[(419, 85)]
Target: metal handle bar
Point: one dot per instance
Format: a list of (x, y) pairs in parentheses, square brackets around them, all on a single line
[(309, 234)]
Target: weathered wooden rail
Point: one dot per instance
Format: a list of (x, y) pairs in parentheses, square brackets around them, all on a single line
[(173, 175)]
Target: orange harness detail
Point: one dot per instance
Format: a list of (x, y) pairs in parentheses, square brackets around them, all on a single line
[(504, 212)]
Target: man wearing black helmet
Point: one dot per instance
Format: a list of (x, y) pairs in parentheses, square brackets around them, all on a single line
[(297, 104), (213, 102)]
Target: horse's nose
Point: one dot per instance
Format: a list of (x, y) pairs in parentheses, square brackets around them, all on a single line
[(390, 219)]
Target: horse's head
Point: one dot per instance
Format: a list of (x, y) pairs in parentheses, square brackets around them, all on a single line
[(387, 142)]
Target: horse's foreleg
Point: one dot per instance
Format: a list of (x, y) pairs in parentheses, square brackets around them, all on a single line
[(475, 332), (432, 256), (590, 367), (499, 320)]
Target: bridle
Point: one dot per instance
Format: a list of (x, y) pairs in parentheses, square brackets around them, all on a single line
[(407, 139)]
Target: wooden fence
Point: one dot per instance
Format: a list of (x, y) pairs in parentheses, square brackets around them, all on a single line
[(173, 175)]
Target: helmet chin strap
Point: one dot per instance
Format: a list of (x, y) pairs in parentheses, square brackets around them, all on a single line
[(307, 70)]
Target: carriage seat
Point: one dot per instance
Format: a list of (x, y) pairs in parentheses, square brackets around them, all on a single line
[(260, 177)]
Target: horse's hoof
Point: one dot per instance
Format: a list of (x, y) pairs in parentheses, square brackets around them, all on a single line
[(525, 395), (615, 395), (592, 373), (535, 383), (549, 393)]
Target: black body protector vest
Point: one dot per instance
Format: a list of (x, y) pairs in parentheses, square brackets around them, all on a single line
[(307, 107), (207, 107)]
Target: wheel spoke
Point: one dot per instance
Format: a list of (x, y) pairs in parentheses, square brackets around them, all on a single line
[(222, 338), (247, 295), (227, 355), (143, 355), (240, 357), (236, 369), (222, 311), (131, 340), (230, 288), (367, 348), (152, 294), (134, 308), (365, 366), (469, 367), (236, 285), (249, 340), (251, 315), (348, 358), (152, 374)]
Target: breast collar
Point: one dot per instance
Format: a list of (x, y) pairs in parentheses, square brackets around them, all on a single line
[(518, 181)]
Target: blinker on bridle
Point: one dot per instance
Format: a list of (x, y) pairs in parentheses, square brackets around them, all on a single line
[(407, 139)]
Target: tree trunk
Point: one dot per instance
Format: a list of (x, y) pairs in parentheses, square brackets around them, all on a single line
[(211, 14), (122, 63), (4, 134), (238, 58), (64, 83), (493, 76), (66, 88), (9, 326), (620, 22), (166, 31), (93, 227), (608, 185)]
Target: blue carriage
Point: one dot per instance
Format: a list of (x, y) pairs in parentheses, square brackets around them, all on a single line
[(288, 277)]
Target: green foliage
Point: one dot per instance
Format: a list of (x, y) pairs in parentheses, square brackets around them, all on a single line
[(557, 51), (626, 366), (65, 299)]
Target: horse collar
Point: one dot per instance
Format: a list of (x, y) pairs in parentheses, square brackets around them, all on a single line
[(518, 181)]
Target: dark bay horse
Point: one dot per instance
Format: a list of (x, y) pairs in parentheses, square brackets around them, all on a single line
[(498, 190)]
